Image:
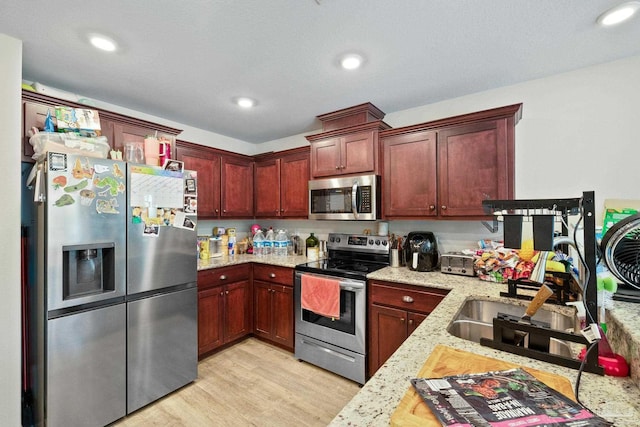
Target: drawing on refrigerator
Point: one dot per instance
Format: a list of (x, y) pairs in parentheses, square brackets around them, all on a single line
[(115, 309)]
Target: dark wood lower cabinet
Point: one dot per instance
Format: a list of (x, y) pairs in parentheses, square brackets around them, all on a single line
[(233, 303), (224, 309), (237, 314), (273, 313), (395, 311), (273, 305), (210, 332)]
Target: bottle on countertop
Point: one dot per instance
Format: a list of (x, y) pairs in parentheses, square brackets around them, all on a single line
[(268, 242), (313, 247), (280, 243), (258, 243)]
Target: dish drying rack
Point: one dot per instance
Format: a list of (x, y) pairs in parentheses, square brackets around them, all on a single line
[(506, 327)]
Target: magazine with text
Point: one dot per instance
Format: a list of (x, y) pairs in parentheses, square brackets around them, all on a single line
[(510, 398)]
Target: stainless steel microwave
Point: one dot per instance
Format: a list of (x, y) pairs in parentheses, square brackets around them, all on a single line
[(346, 198)]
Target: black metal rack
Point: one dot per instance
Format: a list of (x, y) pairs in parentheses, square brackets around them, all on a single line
[(506, 327), (561, 285)]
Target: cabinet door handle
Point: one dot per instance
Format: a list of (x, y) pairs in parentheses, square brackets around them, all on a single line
[(221, 293), (281, 210), (272, 275), (216, 210), (402, 319), (223, 277), (411, 321), (337, 167), (407, 298), (227, 292), (443, 207), (432, 207), (224, 211), (342, 166)]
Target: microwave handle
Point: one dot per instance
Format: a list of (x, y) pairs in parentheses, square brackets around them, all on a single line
[(354, 199)]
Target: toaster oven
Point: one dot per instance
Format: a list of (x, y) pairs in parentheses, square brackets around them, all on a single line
[(457, 263)]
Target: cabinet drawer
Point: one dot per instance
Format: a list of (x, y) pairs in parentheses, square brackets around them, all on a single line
[(273, 274), (222, 275), (412, 298)]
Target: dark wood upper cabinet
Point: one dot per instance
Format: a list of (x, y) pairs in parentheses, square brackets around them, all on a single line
[(410, 175), (348, 143), (441, 169), (294, 183), (225, 180), (352, 150), (473, 165), (267, 188), (118, 128), (446, 168), (207, 164), (236, 197), (281, 184)]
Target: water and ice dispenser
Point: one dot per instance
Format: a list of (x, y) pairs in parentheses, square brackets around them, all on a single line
[(88, 270)]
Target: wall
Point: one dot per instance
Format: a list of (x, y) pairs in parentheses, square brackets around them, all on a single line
[(11, 72)]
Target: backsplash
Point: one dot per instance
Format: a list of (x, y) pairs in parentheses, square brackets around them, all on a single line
[(451, 235)]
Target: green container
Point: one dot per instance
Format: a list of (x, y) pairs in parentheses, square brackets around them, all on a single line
[(313, 246)]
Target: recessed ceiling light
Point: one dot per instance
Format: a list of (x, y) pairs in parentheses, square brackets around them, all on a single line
[(618, 14), (351, 61), (103, 43), (245, 102)]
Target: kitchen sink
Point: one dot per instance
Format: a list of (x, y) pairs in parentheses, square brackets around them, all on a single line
[(474, 321)]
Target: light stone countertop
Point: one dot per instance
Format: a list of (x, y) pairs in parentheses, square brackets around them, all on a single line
[(223, 261), (616, 399)]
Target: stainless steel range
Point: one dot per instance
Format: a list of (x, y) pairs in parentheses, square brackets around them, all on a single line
[(338, 344)]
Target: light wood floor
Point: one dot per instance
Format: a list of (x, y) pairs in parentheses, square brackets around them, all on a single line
[(251, 384)]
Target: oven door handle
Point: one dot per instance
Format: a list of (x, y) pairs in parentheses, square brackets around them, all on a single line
[(352, 286), (354, 199)]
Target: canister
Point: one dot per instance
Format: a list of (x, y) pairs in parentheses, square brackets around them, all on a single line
[(203, 241), (225, 244)]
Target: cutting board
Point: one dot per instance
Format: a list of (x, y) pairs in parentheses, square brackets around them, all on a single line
[(443, 361)]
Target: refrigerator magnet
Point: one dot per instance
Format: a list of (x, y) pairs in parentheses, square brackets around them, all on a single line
[(151, 230), (182, 221)]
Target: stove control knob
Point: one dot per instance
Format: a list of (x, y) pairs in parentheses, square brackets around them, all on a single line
[(337, 240), (377, 242), (332, 239), (384, 243), (371, 241)]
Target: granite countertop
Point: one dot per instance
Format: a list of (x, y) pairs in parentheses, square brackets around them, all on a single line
[(616, 399), (225, 260)]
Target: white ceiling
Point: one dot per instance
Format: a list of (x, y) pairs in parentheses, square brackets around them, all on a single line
[(186, 60)]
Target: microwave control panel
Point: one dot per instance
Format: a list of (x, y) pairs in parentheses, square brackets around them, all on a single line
[(365, 200)]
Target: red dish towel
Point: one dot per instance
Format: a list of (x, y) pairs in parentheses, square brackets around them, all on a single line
[(320, 295)]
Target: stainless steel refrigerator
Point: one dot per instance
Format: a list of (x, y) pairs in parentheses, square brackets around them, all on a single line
[(162, 300), (116, 298)]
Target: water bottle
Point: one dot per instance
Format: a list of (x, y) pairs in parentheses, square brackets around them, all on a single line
[(280, 243), (258, 243), (268, 243)]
